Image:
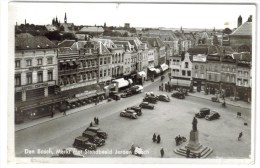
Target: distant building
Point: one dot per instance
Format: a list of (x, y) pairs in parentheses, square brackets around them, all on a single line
[(127, 25)]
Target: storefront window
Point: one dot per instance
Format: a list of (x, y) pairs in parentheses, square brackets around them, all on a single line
[(183, 72), (189, 73)]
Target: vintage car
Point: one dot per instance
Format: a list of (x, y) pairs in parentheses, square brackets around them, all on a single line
[(137, 109), (164, 98), (129, 113), (137, 89), (203, 112), (69, 152), (126, 94), (83, 143), (178, 95), (150, 99), (146, 105), (93, 138), (212, 116), (102, 134)]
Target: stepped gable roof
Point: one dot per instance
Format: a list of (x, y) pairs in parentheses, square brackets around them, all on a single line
[(35, 42), (244, 30)]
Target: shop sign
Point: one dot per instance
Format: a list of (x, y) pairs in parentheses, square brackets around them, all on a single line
[(34, 68), (35, 86), (86, 93)]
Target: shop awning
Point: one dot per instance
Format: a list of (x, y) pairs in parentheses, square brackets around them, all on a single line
[(181, 82), (164, 67), (157, 70), (121, 82), (141, 74), (72, 100), (63, 63)]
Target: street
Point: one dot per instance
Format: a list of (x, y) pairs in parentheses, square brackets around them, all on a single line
[(167, 119)]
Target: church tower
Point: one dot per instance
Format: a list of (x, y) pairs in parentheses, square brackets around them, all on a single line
[(65, 18), (239, 21)]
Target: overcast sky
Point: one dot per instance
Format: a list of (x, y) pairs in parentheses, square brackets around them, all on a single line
[(138, 15)]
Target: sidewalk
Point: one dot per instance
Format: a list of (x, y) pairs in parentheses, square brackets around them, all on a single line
[(227, 100), (57, 115)]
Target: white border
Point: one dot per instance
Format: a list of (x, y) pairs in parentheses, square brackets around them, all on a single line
[(6, 80)]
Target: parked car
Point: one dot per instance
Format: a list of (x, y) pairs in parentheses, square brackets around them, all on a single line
[(164, 98), (114, 95), (83, 143), (150, 99), (93, 138), (146, 105), (126, 94), (129, 113), (101, 134), (69, 152), (137, 89), (203, 112), (178, 95), (137, 109), (212, 116)]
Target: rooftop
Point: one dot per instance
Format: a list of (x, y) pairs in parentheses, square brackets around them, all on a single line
[(243, 30), (34, 42)]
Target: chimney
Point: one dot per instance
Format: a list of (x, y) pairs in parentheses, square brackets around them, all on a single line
[(239, 21), (25, 22)]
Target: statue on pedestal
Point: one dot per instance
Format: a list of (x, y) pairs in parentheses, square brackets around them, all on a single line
[(194, 124)]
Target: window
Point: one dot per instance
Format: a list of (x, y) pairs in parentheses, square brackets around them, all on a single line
[(29, 62), (89, 63), (108, 72), (239, 81), (105, 61), (39, 61), (17, 79), (216, 77), (93, 62), (216, 68), (113, 59), (202, 67), (125, 61), (228, 78), (196, 66), (240, 73), (105, 73), (49, 60), (186, 65), (100, 61), (245, 82), (29, 78), (50, 75), (183, 72), (100, 73), (40, 76), (209, 76), (17, 64), (202, 75), (246, 74), (188, 73), (109, 60), (228, 69)]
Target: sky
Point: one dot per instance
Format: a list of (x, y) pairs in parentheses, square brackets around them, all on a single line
[(138, 15)]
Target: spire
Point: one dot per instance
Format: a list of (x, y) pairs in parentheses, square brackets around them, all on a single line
[(239, 21), (65, 18), (214, 29)]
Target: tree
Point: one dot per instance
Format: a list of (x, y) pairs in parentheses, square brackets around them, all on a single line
[(55, 35)]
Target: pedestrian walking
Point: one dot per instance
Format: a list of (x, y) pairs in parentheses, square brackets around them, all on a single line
[(162, 152), (188, 153), (64, 112), (91, 124), (132, 149), (154, 137), (97, 121), (160, 88), (176, 141), (239, 136), (52, 114), (158, 138)]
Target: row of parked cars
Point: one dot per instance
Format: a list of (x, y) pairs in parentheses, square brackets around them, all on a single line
[(207, 114), (91, 138)]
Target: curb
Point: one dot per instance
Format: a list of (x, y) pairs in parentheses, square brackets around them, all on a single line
[(226, 102)]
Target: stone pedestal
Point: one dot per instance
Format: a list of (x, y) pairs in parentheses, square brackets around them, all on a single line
[(194, 141), (196, 149)]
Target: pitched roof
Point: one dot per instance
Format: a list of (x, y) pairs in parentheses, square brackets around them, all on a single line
[(243, 30), (24, 35), (35, 42), (66, 43), (92, 29), (155, 42), (198, 50)]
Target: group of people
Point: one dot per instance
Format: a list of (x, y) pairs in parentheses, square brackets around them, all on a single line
[(194, 155), (179, 140), (96, 121), (156, 138), (165, 87)]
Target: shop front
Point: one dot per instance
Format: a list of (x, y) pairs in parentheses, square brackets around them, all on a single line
[(212, 87), (180, 83), (199, 84), (228, 88), (243, 93)]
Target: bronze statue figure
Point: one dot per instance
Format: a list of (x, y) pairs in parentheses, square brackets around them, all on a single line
[(194, 124)]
